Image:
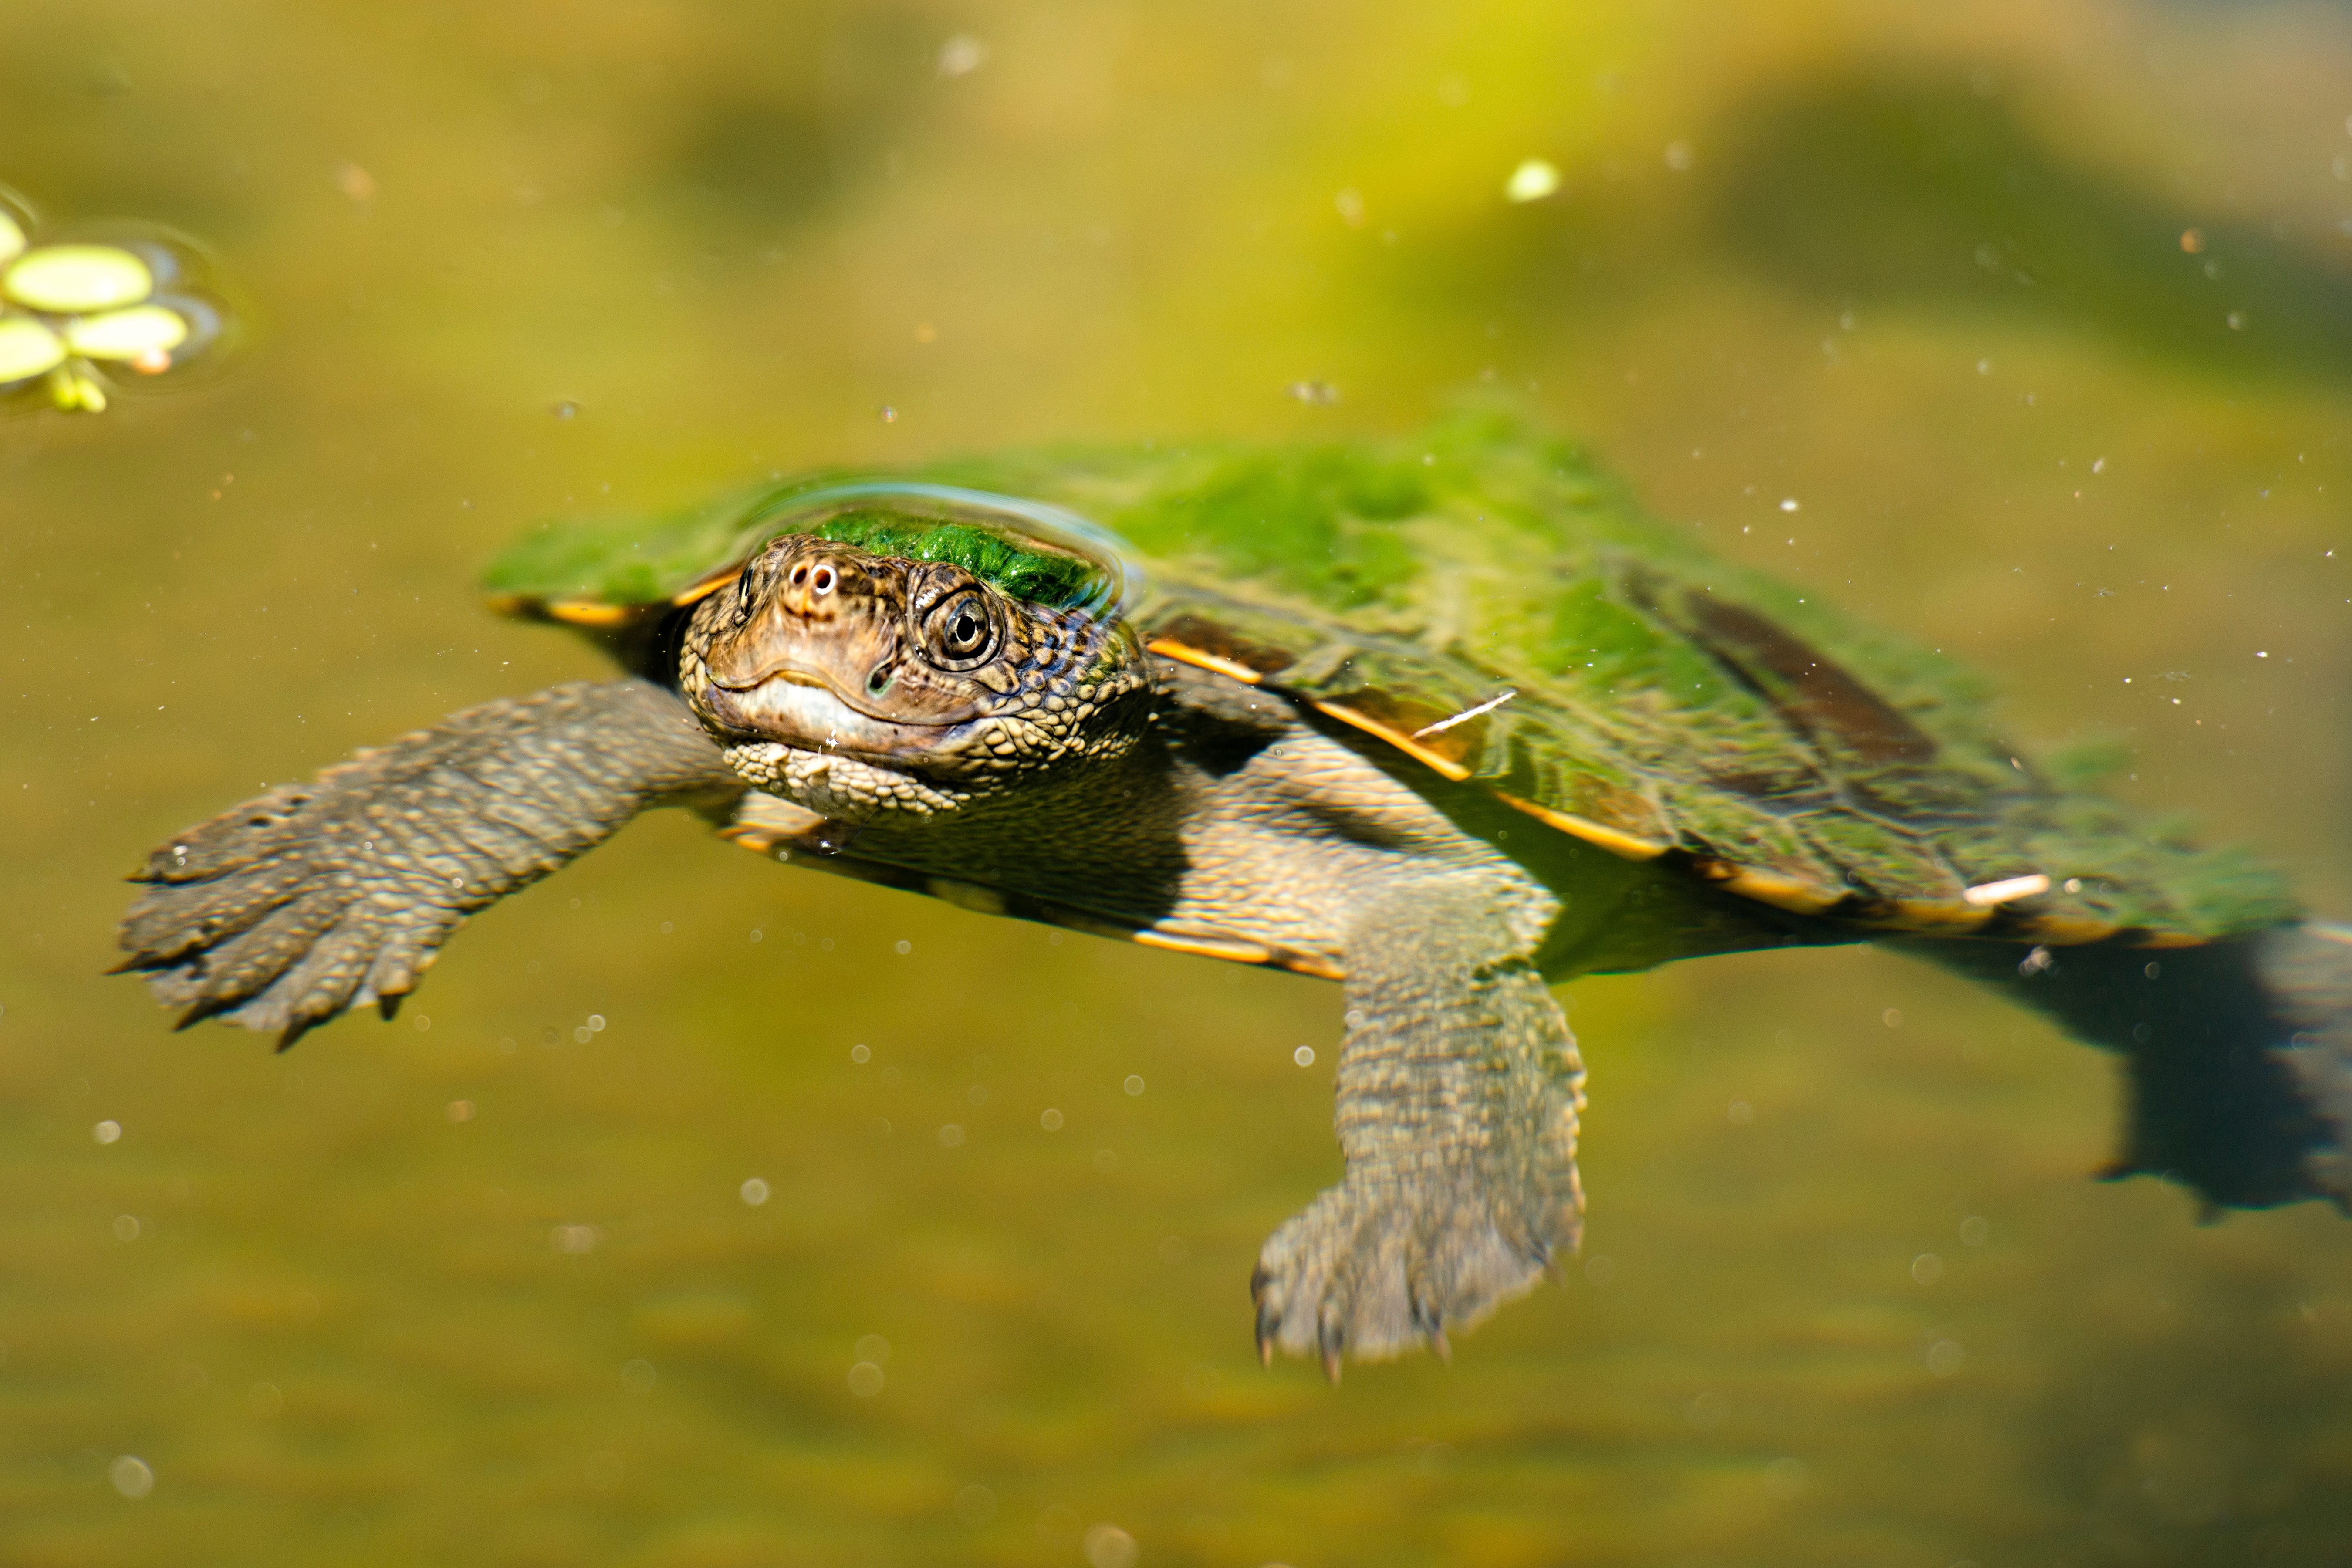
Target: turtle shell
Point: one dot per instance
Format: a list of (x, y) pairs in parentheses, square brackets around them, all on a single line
[(1486, 603), (618, 571)]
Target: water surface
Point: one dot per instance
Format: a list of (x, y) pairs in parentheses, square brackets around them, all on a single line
[(1927, 278)]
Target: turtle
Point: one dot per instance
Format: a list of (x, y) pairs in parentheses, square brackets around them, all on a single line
[(1447, 719)]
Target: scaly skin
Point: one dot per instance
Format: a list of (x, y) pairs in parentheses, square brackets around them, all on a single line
[(315, 897), (1459, 1084), (827, 671)]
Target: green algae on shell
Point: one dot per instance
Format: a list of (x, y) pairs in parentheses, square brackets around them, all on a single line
[(1037, 554), (28, 348), (597, 572), (76, 280)]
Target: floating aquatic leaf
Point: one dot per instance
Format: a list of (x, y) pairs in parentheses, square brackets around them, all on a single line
[(26, 348), (137, 334), (12, 237), (73, 279)]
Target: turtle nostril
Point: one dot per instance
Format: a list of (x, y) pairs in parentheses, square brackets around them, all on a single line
[(799, 576), (821, 580)]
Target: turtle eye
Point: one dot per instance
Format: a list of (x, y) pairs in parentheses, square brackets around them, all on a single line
[(962, 632)]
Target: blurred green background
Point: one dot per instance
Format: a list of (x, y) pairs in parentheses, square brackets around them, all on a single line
[(1921, 269)]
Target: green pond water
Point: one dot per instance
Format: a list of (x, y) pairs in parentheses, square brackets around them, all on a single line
[(2041, 313)]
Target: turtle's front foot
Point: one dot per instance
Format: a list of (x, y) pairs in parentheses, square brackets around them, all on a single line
[(1389, 1256), (318, 897)]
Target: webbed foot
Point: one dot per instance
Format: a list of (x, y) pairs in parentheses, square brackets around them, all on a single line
[(318, 897), (1388, 1259)]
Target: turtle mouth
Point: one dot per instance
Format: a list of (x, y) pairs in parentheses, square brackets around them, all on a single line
[(784, 673), (809, 713)]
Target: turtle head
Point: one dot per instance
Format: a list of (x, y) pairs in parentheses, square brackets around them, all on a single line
[(857, 680)]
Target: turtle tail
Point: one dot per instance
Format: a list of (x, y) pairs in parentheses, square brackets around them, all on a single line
[(2237, 1055)]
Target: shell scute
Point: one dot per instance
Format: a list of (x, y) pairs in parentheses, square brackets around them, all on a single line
[(1815, 695)]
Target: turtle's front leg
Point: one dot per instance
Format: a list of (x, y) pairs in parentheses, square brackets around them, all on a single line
[(1459, 1087), (313, 898)]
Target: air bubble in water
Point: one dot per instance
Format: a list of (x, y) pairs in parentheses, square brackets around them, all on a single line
[(1531, 181), (574, 1239), (131, 1477), (962, 55), (1109, 1546)]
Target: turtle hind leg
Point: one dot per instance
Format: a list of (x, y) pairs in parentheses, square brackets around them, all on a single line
[(2237, 1056), (283, 912), (1458, 1095)]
